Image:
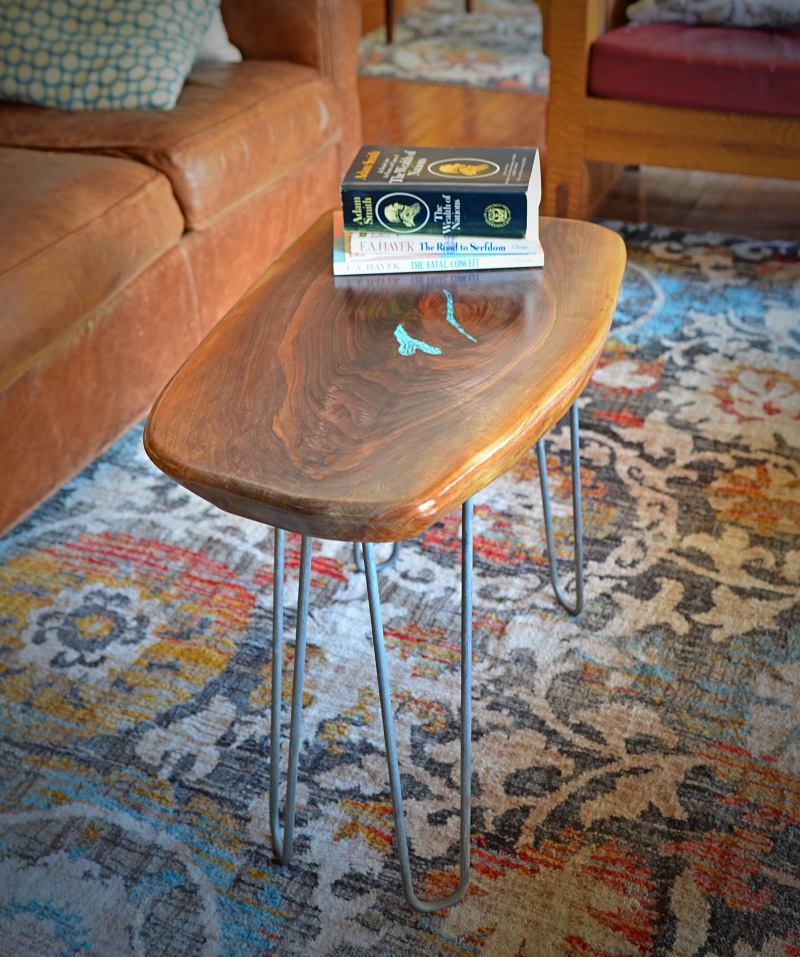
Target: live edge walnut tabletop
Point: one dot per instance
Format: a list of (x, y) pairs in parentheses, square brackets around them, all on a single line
[(366, 409)]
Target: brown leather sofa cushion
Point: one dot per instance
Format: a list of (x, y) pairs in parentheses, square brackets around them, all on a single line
[(75, 229), (236, 128)]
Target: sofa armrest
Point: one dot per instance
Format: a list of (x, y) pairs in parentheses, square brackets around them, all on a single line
[(323, 34)]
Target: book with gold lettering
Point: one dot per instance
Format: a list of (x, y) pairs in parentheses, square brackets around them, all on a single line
[(451, 192)]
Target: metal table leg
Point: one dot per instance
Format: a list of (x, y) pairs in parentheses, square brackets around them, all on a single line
[(358, 559), (577, 607), (282, 841), (427, 906)]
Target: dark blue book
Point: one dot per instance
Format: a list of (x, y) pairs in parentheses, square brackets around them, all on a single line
[(458, 191)]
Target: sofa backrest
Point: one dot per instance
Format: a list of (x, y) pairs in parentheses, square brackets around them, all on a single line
[(323, 34)]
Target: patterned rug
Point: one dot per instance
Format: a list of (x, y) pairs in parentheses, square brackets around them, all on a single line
[(636, 770), (496, 47)]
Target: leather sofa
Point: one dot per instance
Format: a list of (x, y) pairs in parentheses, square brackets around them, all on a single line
[(126, 235)]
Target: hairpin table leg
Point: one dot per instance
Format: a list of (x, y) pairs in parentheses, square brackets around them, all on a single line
[(357, 558), (428, 906), (282, 845), (577, 607)]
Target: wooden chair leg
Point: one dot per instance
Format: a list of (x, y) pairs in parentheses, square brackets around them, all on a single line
[(565, 182), (389, 20)]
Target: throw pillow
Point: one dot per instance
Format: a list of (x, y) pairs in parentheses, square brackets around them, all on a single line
[(773, 14), (99, 54), (216, 45)]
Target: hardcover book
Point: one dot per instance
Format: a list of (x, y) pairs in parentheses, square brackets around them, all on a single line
[(345, 264), (424, 244), (452, 192)]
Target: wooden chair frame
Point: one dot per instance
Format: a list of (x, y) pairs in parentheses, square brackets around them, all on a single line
[(582, 129)]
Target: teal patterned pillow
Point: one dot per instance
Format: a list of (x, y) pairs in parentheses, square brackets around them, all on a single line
[(99, 54)]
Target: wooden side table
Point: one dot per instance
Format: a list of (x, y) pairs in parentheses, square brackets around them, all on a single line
[(367, 409)]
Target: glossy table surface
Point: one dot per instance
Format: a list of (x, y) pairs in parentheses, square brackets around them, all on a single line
[(365, 409)]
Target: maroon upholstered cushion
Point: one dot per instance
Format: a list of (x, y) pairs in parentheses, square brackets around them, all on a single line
[(701, 67)]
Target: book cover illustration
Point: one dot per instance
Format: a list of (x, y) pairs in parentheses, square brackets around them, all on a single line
[(446, 191)]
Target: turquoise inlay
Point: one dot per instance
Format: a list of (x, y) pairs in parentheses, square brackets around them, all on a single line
[(450, 317), (409, 345)]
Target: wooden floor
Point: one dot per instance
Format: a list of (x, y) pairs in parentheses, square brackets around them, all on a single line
[(427, 114)]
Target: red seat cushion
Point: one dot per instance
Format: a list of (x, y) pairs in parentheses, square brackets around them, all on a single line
[(701, 67)]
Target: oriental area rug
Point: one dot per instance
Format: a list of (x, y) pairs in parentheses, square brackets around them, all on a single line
[(636, 769), (498, 46)]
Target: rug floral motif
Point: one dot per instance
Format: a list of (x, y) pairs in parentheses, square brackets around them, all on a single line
[(498, 46), (636, 770)]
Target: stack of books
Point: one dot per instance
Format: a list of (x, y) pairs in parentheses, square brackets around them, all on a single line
[(428, 209)]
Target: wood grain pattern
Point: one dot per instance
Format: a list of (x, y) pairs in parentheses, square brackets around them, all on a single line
[(299, 410), (617, 130), (428, 114)]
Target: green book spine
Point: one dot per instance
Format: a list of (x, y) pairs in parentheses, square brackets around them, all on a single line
[(442, 213)]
